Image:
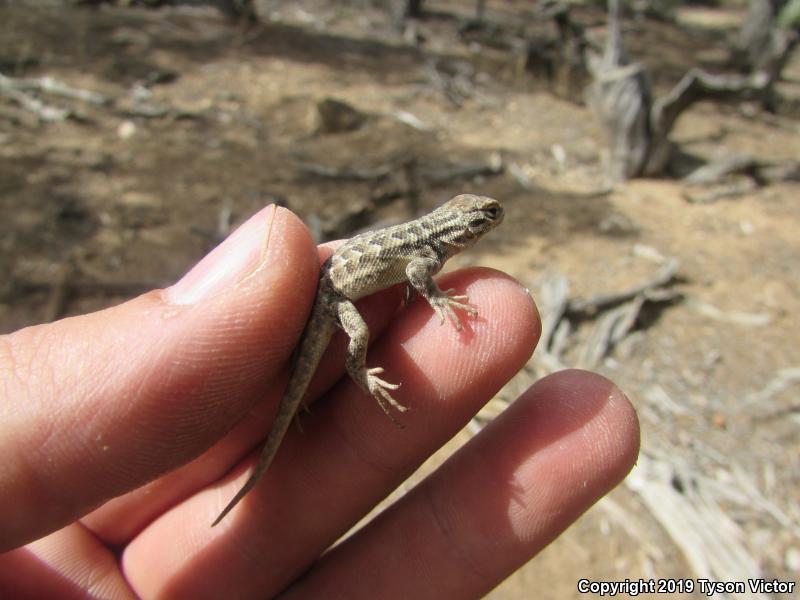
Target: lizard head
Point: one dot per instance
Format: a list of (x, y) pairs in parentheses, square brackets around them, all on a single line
[(475, 215)]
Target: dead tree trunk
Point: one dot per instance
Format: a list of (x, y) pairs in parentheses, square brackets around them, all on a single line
[(621, 98), (696, 85), (637, 127), (404, 9), (758, 36), (765, 43)]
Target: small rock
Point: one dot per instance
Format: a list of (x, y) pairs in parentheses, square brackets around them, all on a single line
[(126, 130), (336, 116)]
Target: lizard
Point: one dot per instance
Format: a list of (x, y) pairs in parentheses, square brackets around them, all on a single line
[(412, 253)]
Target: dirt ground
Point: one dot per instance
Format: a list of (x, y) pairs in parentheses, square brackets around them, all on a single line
[(209, 120)]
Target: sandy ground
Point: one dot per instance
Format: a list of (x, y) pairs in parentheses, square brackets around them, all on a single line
[(211, 120)]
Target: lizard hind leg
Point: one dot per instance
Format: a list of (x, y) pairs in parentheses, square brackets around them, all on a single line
[(380, 390), (358, 332)]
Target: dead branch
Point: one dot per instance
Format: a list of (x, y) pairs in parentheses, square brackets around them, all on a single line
[(695, 86), (520, 176), (638, 127), (439, 174), (147, 110), (658, 397), (453, 79), (765, 39), (726, 191), (717, 170), (610, 329), (20, 89), (55, 87), (52, 86), (430, 174), (732, 316), (709, 539), (410, 119), (738, 175), (553, 300), (647, 288), (44, 112), (782, 380), (620, 313), (349, 173)]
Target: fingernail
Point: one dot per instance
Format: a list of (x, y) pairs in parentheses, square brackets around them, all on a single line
[(227, 264)]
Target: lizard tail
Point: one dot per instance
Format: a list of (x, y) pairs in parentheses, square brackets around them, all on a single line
[(313, 342)]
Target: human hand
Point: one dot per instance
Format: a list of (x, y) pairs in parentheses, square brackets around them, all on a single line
[(138, 410)]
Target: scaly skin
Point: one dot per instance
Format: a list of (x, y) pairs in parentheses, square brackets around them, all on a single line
[(412, 252)]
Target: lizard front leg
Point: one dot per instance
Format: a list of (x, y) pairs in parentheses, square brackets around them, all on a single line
[(419, 272), (356, 361)]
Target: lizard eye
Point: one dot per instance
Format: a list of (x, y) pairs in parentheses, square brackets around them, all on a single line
[(491, 212)]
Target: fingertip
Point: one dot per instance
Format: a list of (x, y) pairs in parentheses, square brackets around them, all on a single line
[(271, 237), (501, 298), (508, 321), (566, 442), (586, 404)]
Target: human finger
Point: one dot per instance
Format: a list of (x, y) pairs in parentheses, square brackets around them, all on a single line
[(494, 504), (349, 456), (98, 404)]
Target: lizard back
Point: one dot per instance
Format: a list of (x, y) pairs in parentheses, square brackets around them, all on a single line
[(376, 260)]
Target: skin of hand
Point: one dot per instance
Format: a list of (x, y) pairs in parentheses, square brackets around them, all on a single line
[(124, 432)]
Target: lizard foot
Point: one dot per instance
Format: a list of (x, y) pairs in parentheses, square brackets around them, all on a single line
[(379, 389), (445, 303)]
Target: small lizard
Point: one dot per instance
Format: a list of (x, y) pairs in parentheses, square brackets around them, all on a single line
[(411, 252)]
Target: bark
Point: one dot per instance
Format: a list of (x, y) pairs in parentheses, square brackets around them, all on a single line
[(637, 127), (621, 98)]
